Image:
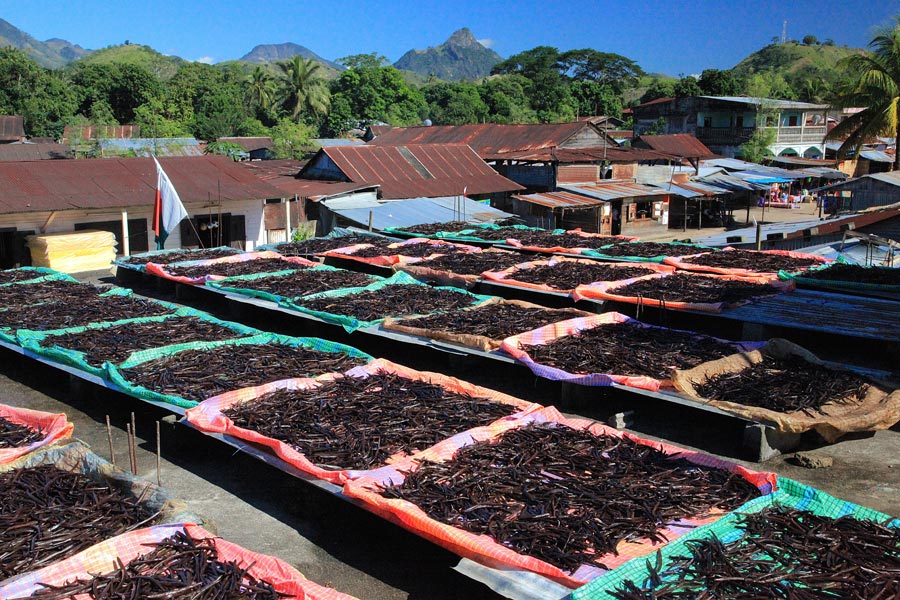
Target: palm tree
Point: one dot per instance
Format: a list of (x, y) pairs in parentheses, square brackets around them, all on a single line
[(304, 88), (876, 87), (261, 88)]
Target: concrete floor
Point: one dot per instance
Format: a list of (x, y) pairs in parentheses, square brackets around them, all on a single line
[(340, 545)]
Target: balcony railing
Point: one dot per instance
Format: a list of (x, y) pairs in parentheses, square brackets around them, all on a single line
[(799, 135), (735, 136)]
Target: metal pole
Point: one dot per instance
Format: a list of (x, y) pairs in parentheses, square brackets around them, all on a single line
[(126, 246), (759, 235), (287, 216), (371, 216)]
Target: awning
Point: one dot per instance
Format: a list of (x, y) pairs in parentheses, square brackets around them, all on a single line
[(418, 211), (560, 200)]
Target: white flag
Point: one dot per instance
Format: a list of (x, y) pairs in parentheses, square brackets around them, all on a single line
[(168, 210)]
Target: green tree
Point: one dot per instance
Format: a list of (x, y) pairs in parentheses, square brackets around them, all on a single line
[(687, 86), (594, 98), (716, 82), (659, 88), (768, 85), (229, 149), (220, 115), (42, 97), (290, 139), (122, 87), (757, 147), (303, 87), (261, 89), (604, 68), (507, 100), (455, 103), (548, 93), (810, 40), (376, 93), (875, 86)]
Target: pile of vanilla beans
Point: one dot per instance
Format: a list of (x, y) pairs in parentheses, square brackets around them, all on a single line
[(390, 301), (474, 263), (566, 496), (303, 282), (14, 435), (785, 385), (315, 245), (62, 311), (547, 239), (117, 342), (358, 423), (628, 349), (247, 267), (568, 275), (201, 374), (495, 321), (783, 553), (176, 567), (182, 255), (758, 262), (651, 249), (857, 274), (693, 288), (47, 514)]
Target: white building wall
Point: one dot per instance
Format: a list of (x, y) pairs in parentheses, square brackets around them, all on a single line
[(65, 220)]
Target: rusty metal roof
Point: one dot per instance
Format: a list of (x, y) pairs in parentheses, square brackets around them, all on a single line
[(20, 152), (273, 169), (560, 199), (675, 144), (96, 132), (418, 171), (12, 127), (249, 143), (316, 190), (122, 182), (613, 189), (489, 139)]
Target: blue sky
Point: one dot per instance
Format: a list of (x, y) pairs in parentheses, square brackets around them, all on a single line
[(673, 36)]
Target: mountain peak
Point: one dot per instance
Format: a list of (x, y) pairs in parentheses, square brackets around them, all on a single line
[(277, 52), (462, 37), (460, 57)]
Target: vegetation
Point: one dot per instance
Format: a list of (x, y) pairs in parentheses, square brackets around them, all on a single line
[(461, 57), (875, 85), (287, 91)]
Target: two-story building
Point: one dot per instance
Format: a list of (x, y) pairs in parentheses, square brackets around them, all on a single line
[(725, 123)]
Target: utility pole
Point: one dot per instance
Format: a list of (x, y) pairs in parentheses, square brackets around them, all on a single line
[(784, 33)]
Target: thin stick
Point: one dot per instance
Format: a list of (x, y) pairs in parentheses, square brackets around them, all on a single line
[(158, 452), (130, 449), (112, 455), (133, 445)]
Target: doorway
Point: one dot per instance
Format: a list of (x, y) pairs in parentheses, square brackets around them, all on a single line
[(616, 221), (13, 251)]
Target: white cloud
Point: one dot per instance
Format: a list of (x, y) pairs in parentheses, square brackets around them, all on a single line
[(208, 60), (487, 42)]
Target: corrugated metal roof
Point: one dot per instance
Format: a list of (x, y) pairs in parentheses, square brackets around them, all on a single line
[(611, 190), (876, 156), (249, 143), (677, 144), (657, 101), (351, 202), (732, 164), (12, 127), (560, 200), (19, 152), (272, 169), (428, 170), (122, 182), (147, 147), (316, 190), (338, 142), (405, 213), (799, 160), (595, 154), (490, 139), (72, 133), (678, 190), (732, 183), (769, 102)]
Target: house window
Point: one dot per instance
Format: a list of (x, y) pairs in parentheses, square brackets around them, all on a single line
[(792, 121), (707, 122), (739, 122)]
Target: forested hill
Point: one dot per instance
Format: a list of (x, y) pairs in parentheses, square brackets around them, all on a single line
[(53, 53), (461, 57), (800, 65), (268, 53)]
